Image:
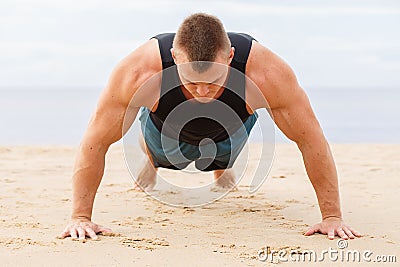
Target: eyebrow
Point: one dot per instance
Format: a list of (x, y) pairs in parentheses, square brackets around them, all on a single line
[(197, 83)]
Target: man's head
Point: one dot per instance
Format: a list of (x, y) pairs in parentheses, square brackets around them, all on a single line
[(200, 41), (201, 37)]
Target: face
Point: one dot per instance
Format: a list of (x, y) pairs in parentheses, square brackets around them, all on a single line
[(204, 86)]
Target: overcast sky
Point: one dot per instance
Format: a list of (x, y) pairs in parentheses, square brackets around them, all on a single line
[(68, 43)]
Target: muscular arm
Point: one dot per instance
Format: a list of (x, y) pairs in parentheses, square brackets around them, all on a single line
[(113, 116), (297, 121), (105, 128), (293, 114)]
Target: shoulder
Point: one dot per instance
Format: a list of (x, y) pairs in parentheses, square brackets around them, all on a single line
[(135, 69), (271, 74)]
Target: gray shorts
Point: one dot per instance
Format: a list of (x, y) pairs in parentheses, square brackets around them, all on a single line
[(172, 154)]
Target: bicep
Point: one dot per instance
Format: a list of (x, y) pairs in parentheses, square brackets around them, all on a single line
[(109, 122), (113, 114)]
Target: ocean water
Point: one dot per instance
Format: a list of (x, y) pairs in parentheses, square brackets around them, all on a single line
[(46, 116)]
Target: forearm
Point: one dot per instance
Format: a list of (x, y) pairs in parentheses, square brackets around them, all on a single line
[(88, 172), (322, 173)]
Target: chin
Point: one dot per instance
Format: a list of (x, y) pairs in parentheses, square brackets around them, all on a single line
[(204, 99)]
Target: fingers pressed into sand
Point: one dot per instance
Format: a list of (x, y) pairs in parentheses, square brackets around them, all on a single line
[(310, 231), (81, 233), (63, 235), (355, 232), (341, 233), (102, 229), (348, 232), (91, 233), (331, 234), (73, 233)]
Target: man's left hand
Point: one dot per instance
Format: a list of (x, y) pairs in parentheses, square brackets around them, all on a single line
[(333, 226)]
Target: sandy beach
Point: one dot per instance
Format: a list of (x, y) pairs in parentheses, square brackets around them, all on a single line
[(35, 205)]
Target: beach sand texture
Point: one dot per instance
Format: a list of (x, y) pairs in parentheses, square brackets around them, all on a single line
[(35, 205)]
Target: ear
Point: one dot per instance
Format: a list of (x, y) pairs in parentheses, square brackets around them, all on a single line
[(173, 54), (231, 55)]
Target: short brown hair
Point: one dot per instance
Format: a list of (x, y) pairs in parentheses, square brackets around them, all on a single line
[(202, 37)]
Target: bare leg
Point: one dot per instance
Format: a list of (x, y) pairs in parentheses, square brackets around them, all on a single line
[(146, 179), (225, 179)]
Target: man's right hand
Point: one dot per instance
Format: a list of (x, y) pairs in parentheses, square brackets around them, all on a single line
[(79, 229)]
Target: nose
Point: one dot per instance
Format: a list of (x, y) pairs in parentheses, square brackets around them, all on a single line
[(202, 90)]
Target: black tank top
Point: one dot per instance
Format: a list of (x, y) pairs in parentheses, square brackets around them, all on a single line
[(193, 122)]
